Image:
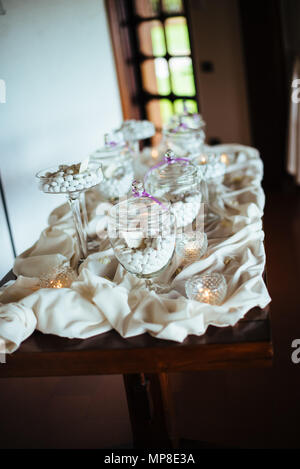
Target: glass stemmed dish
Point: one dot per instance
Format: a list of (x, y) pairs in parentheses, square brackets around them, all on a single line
[(142, 232), (72, 181)]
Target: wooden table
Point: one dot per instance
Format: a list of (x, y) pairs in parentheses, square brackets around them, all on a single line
[(145, 363)]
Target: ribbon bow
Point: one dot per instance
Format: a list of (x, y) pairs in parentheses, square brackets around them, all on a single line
[(169, 158), (139, 191)]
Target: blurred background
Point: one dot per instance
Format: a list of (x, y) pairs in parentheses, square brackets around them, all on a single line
[(74, 70)]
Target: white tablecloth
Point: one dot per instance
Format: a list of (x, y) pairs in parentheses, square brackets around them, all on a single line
[(106, 297)]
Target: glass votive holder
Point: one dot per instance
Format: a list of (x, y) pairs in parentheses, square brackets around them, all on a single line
[(59, 277), (191, 246), (207, 288)]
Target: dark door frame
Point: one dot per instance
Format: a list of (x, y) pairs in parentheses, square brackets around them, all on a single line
[(263, 37)]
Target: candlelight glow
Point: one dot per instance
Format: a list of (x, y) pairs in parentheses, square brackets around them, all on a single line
[(224, 159), (205, 295), (62, 277), (154, 153), (207, 288), (191, 247)]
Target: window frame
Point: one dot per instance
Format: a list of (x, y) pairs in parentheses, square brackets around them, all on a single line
[(123, 27)]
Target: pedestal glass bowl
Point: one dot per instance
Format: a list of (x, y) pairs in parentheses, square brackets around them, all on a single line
[(72, 181)]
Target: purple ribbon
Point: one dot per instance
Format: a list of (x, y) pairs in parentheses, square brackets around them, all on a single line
[(136, 185), (108, 142), (181, 125)]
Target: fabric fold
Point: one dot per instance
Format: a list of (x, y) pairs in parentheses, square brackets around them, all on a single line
[(106, 297)]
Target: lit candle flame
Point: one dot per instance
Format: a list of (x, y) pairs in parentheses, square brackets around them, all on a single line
[(154, 153), (56, 284), (224, 159), (205, 294)]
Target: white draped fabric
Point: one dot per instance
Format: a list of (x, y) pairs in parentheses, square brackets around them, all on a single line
[(106, 297)]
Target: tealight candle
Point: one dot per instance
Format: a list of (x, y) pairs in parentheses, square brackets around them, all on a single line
[(207, 288), (191, 247), (62, 277)]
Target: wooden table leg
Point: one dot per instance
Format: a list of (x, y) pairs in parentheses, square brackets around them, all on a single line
[(150, 410)]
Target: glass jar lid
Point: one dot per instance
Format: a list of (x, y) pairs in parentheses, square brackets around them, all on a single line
[(172, 173), (114, 147)]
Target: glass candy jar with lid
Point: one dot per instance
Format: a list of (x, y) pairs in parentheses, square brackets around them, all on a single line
[(134, 131), (142, 233), (184, 135), (117, 167), (177, 180)]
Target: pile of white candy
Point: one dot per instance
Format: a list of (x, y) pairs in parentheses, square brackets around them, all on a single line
[(151, 256), (186, 209), (69, 179)]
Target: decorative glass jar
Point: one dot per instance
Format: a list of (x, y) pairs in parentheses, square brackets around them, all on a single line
[(142, 233), (134, 131), (184, 135), (177, 180), (117, 167)]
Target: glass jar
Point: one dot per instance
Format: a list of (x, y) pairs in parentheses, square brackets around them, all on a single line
[(117, 168), (142, 232), (177, 180), (133, 131), (212, 167), (184, 135)]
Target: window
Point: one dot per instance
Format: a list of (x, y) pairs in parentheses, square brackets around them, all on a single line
[(158, 48)]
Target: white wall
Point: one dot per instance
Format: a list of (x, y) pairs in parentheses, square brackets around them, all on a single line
[(7, 256), (61, 96)]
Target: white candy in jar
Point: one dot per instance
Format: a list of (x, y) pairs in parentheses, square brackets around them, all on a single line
[(186, 210), (177, 180), (69, 179), (113, 188), (151, 256)]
